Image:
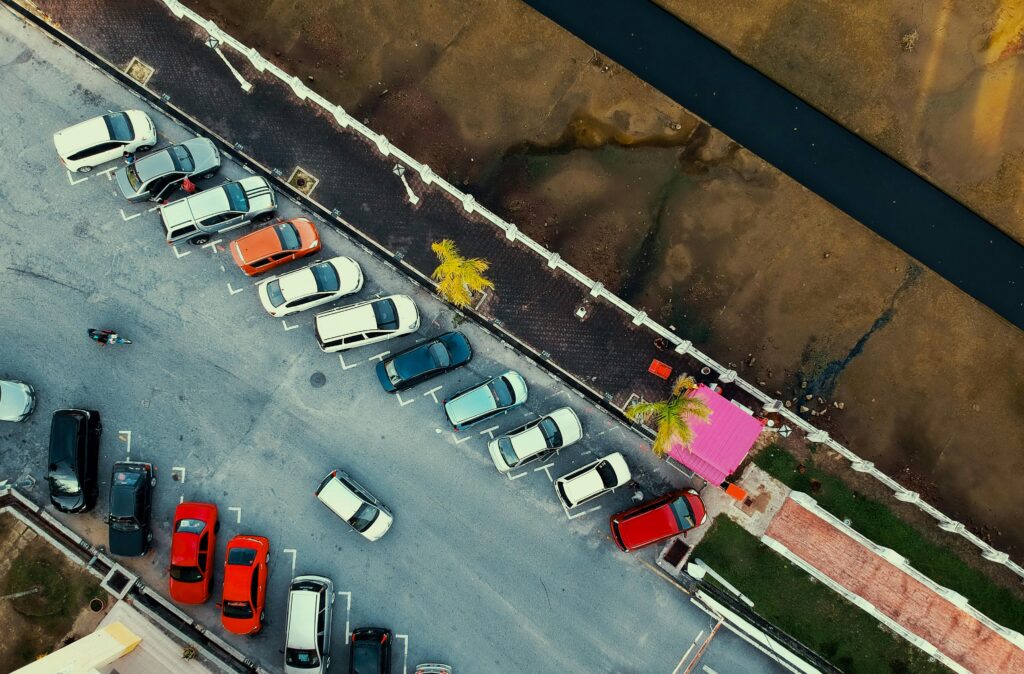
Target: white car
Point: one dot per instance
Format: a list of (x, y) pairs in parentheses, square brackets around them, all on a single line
[(17, 400), (592, 480), (539, 438), (219, 209), (96, 141), (311, 286), (352, 503), (366, 323)]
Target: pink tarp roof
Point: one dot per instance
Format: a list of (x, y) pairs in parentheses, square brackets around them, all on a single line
[(721, 442)]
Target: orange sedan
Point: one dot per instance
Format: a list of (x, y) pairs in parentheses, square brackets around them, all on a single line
[(275, 245), (245, 584)]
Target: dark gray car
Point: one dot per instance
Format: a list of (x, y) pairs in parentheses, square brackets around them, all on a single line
[(157, 175)]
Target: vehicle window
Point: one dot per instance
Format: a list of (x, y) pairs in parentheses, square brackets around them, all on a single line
[(237, 609), (552, 436), (351, 339), (133, 177), (386, 314), (364, 517), (261, 263), (242, 556), (63, 481), (217, 219), (294, 657), (204, 542), (374, 334), (188, 574), (304, 300), (501, 391), (201, 557), (439, 354), (187, 229), (190, 526), (607, 473), (236, 197), (254, 588), (275, 295), (183, 161), (326, 277), (365, 657), (288, 236), (119, 126), (507, 453), (683, 513), (96, 149)]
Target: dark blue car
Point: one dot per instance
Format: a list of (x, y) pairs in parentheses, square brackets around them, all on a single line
[(423, 361)]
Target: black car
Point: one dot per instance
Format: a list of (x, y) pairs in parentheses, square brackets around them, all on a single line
[(131, 498), (71, 467), (423, 361), (370, 651)]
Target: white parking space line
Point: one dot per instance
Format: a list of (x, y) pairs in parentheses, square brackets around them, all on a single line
[(71, 178), (126, 218), (295, 553), (458, 441), (343, 365), (546, 471), (379, 356), (516, 477), (176, 469), (212, 245), (431, 393), (126, 437), (238, 520), (581, 514), (489, 431), (708, 670), (179, 254), (233, 291), (403, 403), (150, 210), (108, 172), (405, 661), (181, 499), (483, 296), (348, 612), (286, 326)]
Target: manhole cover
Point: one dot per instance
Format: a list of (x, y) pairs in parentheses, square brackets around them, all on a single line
[(318, 379), (303, 180), (139, 71)]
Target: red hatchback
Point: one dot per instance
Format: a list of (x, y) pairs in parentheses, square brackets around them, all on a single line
[(192, 547), (245, 584), (670, 515)]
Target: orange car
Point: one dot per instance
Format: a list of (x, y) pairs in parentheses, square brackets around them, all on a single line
[(245, 584), (275, 245)]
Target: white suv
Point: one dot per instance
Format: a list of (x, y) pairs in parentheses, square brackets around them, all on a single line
[(366, 323), (219, 209), (307, 645)]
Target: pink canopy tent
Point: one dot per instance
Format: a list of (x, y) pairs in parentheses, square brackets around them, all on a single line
[(721, 442)]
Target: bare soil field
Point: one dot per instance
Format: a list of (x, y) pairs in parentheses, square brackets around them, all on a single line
[(680, 220), (937, 85)]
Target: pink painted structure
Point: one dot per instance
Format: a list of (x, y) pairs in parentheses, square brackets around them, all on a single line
[(721, 442)]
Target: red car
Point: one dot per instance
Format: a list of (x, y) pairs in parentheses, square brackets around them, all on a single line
[(666, 516), (193, 544), (275, 245), (245, 584)]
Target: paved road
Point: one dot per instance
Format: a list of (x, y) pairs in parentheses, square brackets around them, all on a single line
[(486, 572)]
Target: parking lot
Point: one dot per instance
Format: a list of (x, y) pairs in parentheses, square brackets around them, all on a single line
[(487, 572)]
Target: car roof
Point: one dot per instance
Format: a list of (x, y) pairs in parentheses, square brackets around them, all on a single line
[(80, 136), (649, 526), (472, 403), (568, 424), (302, 616), (260, 243), (340, 499), (589, 482), (155, 165)]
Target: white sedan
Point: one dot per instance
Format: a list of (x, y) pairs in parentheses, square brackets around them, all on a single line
[(311, 286), (96, 141), (539, 438), (592, 480)]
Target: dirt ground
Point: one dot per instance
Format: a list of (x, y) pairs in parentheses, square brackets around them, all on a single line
[(34, 625), (938, 85), (677, 218)]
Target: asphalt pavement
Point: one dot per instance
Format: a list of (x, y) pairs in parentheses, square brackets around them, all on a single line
[(487, 572)]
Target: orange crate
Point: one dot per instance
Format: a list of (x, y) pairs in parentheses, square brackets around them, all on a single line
[(660, 369)]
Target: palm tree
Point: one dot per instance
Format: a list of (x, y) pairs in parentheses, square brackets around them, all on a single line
[(672, 415), (457, 277)]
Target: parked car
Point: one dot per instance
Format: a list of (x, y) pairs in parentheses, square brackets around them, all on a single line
[(592, 480), (274, 246), (193, 545), (131, 500), (489, 398), (311, 286), (307, 644), (245, 584), (157, 175), (666, 516), (370, 651), (219, 209), (17, 400), (72, 470), (433, 668), (353, 503), (424, 361), (538, 439), (366, 323), (96, 141)]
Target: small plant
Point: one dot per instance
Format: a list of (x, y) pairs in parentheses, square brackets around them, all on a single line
[(672, 415), (458, 277), (909, 41), (189, 652)]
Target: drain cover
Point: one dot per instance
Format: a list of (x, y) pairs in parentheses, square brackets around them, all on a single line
[(318, 379)]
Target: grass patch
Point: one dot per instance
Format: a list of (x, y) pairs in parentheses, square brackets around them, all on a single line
[(879, 523), (810, 612)]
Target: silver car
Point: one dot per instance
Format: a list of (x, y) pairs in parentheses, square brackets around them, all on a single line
[(157, 175), (219, 209), (17, 400), (307, 644)]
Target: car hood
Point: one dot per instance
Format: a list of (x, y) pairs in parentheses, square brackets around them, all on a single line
[(15, 400), (128, 543)]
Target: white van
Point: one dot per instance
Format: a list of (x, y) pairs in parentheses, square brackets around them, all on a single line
[(307, 645), (366, 323)]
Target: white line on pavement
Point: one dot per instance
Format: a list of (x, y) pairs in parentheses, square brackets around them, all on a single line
[(348, 612), (708, 670), (126, 436), (379, 356), (286, 326), (516, 477), (405, 662), (181, 499), (108, 172), (179, 253), (343, 365), (295, 554), (483, 296), (179, 468), (489, 431), (403, 402), (572, 517), (238, 520), (548, 472), (233, 291), (71, 179), (431, 393), (458, 441), (126, 218), (212, 245)]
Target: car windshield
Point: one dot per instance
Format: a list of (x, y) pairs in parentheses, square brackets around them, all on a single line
[(501, 390), (293, 657), (242, 556), (439, 354), (507, 453), (366, 657), (392, 372), (63, 481), (186, 574), (607, 473), (684, 515), (119, 126), (326, 277), (182, 159), (190, 526), (237, 609), (236, 197), (133, 177), (274, 293), (288, 236), (364, 517), (386, 314), (550, 430), (124, 523)]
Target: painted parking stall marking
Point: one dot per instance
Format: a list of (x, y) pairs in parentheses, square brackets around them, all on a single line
[(71, 178), (432, 393), (294, 554), (126, 218), (458, 440), (379, 356), (288, 327), (405, 656), (344, 366), (238, 512), (348, 612), (489, 432), (403, 403), (180, 470), (234, 291), (180, 254), (126, 437)]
